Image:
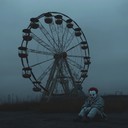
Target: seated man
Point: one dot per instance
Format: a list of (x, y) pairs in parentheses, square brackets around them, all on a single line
[(93, 107)]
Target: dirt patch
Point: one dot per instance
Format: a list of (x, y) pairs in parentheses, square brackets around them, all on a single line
[(37, 119)]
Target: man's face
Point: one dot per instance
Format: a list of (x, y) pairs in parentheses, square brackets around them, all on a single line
[(92, 94)]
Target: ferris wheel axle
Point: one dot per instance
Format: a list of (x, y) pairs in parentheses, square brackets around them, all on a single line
[(62, 55)]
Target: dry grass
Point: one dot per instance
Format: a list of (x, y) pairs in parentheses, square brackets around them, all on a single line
[(113, 103)]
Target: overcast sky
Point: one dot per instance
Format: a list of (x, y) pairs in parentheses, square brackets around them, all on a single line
[(104, 23)]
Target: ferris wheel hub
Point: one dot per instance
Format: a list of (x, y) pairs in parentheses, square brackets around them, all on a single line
[(62, 55)]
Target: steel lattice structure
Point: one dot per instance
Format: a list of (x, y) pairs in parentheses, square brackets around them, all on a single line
[(55, 54)]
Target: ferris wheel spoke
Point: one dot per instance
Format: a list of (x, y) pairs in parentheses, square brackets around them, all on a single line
[(60, 37), (60, 33), (65, 70), (69, 40), (73, 47), (54, 34), (65, 36), (47, 35), (51, 75), (41, 42), (71, 75), (41, 62), (74, 72), (75, 64), (45, 73), (76, 56), (39, 52)]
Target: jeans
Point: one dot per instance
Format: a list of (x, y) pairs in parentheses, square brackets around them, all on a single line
[(89, 112)]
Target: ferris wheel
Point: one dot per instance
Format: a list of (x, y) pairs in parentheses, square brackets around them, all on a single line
[(54, 54)]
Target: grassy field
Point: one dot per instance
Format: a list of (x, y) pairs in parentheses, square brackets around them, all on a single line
[(113, 103), (60, 112)]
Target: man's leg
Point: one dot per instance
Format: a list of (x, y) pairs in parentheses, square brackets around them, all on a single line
[(93, 112), (84, 111)]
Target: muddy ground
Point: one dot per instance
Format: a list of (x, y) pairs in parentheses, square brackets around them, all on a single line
[(37, 119)]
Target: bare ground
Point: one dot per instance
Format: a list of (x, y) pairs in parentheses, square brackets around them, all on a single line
[(37, 119)]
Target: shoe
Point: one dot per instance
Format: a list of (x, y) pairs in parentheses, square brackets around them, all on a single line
[(105, 117), (85, 119)]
